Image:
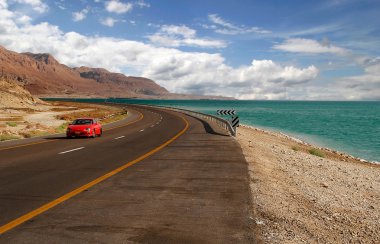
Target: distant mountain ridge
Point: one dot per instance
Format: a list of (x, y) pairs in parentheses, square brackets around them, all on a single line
[(44, 76)]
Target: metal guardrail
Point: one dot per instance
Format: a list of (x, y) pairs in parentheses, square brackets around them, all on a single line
[(222, 123)]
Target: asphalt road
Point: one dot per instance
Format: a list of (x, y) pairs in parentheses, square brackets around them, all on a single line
[(156, 177)]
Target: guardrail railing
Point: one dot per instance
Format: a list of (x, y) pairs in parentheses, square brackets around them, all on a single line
[(222, 123)]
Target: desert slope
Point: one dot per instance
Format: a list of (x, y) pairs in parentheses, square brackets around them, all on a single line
[(14, 96)]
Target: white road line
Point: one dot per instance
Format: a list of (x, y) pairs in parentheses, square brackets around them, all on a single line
[(72, 150), (152, 126), (142, 130), (117, 138)]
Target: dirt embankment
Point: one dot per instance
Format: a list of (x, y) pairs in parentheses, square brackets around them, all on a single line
[(14, 96), (299, 197)]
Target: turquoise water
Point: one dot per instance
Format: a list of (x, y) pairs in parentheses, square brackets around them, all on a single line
[(351, 127)]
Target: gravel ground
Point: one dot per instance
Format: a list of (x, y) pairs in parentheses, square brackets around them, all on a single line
[(302, 198), (48, 118)]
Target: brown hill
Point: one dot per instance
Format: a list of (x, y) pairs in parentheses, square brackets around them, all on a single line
[(44, 76), (14, 96), (137, 85)]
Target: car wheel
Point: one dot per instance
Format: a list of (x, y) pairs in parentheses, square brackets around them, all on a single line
[(93, 134), (101, 132)]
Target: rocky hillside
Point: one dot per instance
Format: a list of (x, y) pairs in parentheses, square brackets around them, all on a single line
[(137, 85), (44, 76), (14, 96)]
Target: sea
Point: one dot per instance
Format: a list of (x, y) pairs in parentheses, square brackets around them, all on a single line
[(350, 127)]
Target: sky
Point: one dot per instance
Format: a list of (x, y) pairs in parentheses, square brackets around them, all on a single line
[(246, 49)]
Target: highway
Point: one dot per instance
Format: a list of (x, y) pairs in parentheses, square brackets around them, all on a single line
[(155, 177)]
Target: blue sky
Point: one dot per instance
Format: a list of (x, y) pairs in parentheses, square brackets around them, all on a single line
[(301, 50)]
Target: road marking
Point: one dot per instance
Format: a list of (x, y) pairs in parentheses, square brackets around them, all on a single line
[(152, 126), (47, 140), (142, 130), (140, 118), (75, 192), (29, 144), (72, 150), (117, 138)]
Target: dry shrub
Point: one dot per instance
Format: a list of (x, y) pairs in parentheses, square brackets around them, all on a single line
[(10, 119)]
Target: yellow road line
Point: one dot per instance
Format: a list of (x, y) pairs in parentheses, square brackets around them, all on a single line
[(40, 142), (75, 192), (29, 144)]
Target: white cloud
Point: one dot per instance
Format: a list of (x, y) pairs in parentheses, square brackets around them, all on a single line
[(223, 27), (108, 21), (181, 35), (180, 30), (335, 3), (300, 45), (318, 30), (362, 87), (81, 15), (3, 4), (61, 7), (142, 4), (202, 73), (359, 87), (178, 71), (115, 6), (37, 5), (24, 19)]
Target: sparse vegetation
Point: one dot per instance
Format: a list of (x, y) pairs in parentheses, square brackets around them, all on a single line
[(115, 117), (106, 115), (61, 128), (93, 113), (60, 109), (26, 110), (34, 133), (11, 119), (11, 124), (317, 152), (8, 137), (295, 148)]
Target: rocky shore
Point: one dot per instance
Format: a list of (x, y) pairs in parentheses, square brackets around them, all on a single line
[(305, 194)]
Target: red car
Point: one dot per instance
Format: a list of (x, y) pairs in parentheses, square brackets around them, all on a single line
[(87, 127)]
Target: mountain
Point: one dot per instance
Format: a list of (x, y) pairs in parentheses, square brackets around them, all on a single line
[(44, 76), (137, 85)]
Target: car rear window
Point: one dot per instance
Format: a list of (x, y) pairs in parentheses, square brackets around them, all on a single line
[(82, 122)]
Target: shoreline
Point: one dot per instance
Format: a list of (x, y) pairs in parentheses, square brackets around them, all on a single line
[(300, 197), (298, 140)]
